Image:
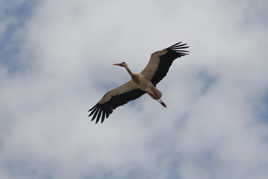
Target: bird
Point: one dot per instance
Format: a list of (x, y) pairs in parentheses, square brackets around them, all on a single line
[(140, 83)]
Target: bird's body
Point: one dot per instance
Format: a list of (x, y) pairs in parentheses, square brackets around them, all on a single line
[(140, 83), (146, 85)]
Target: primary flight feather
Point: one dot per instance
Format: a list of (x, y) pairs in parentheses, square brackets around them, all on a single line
[(140, 83)]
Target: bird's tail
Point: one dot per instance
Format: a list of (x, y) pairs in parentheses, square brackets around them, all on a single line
[(162, 103)]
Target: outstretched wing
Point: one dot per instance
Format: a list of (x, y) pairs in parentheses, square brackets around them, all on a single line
[(161, 61), (114, 98)]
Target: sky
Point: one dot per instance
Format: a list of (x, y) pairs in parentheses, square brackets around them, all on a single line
[(56, 61)]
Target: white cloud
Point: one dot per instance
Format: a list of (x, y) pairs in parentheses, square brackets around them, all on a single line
[(207, 131)]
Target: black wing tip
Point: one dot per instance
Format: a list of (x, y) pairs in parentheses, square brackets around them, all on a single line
[(179, 48), (92, 108), (99, 113)]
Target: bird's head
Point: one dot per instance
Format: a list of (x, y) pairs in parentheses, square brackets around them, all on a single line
[(123, 64)]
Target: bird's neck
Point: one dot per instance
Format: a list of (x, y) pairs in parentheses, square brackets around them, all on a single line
[(129, 71)]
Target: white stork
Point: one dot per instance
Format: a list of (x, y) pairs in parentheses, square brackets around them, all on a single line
[(140, 83)]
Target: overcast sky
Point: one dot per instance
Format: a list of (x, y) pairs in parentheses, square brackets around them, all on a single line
[(56, 61)]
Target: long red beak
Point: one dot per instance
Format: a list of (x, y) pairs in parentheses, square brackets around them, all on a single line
[(118, 64)]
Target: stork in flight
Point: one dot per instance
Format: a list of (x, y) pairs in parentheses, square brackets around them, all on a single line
[(140, 83)]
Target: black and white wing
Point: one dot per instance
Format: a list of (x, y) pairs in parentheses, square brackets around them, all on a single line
[(161, 61), (113, 99)]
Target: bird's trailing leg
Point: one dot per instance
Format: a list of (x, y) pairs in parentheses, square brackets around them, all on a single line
[(156, 94), (162, 103)]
